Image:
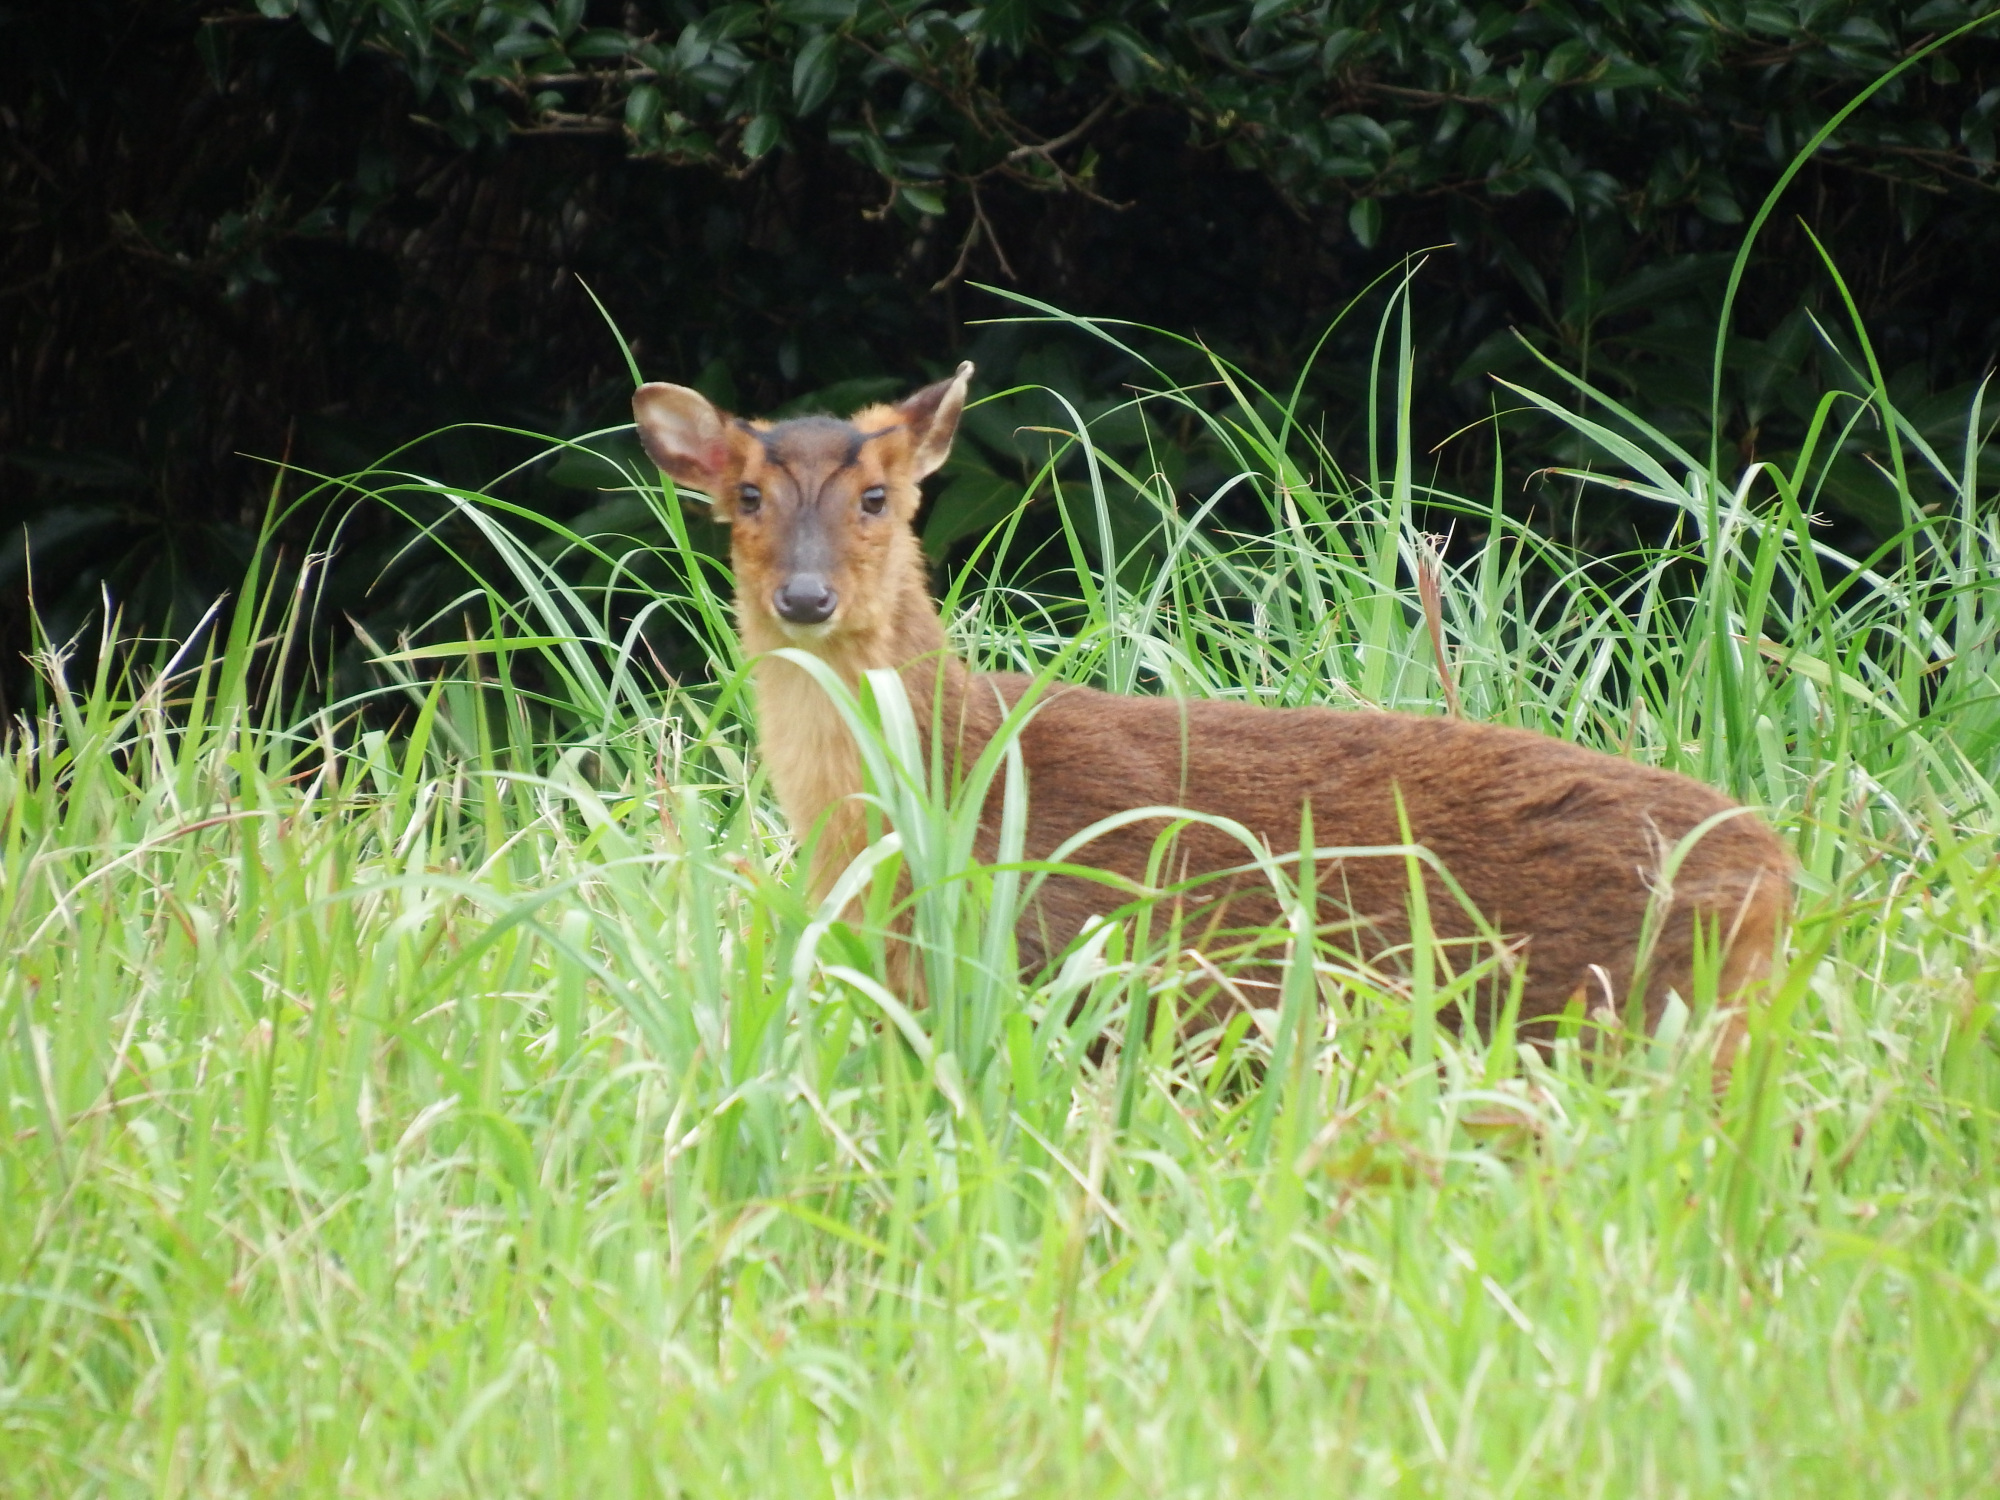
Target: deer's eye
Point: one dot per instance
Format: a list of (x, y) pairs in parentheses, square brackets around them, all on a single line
[(748, 498), (873, 499)]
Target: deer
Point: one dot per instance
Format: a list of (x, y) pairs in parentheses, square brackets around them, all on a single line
[(1601, 882)]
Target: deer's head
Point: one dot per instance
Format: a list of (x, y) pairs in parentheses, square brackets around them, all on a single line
[(819, 509)]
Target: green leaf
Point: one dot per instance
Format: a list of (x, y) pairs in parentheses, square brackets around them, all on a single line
[(1720, 207), (814, 73), (1664, 281), (1622, 73), (925, 200), (1939, 15), (1553, 182), (1495, 21), (1867, 31), (642, 108), (816, 12), (1337, 45), (600, 43), (1008, 21), (1769, 18), (760, 135), (1365, 220), (973, 503), (595, 466), (521, 44), (1568, 60)]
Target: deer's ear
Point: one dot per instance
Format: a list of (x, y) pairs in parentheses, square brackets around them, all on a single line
[(932, 417), (684, 434)]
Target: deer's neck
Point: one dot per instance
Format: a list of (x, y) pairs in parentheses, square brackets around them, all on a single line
[(814, 765)]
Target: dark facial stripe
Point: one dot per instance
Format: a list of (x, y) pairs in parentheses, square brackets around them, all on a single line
[(782, 444), (855, 444)]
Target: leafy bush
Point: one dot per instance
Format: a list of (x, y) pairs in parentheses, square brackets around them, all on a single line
[(1641, 110), (1637, 136)]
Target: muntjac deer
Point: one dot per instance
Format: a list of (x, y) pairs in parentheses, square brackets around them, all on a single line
[(1559, 848)]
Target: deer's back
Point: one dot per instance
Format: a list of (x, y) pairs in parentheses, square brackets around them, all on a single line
[(1552, 843)]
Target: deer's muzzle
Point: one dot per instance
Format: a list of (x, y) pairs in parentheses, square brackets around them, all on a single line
[(805, 599)]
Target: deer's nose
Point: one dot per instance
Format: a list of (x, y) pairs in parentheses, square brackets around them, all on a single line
[(805, 599)]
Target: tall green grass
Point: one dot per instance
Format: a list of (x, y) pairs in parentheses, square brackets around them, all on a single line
[(472, 1103)]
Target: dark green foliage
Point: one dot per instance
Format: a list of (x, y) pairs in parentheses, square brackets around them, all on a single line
[(324, 227), (1590, 164), (1642, 110)]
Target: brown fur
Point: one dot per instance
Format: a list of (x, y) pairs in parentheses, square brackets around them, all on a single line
[(1559, 848)]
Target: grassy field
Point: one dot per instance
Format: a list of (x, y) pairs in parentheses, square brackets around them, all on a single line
[(477, 1109)]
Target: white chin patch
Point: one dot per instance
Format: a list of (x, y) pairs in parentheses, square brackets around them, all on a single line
[(807, 635)]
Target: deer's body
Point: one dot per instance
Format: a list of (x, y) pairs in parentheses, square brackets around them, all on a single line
[(1558, 848)]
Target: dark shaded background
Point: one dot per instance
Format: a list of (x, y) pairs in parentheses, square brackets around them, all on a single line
[(228, 240)]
